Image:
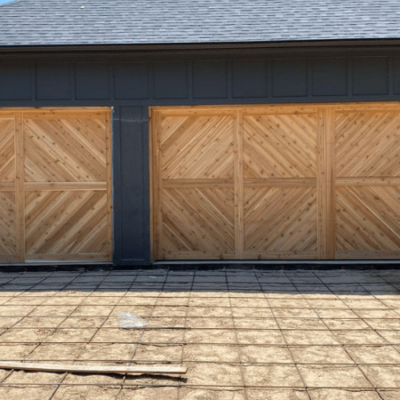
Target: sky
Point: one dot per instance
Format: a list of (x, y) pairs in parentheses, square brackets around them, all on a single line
[(4, 1)]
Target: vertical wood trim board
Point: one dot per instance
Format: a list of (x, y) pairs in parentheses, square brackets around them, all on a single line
[(19, 180), (8, 204), (238, 188), (322, 183), (61, 185), (157, 218), (109, 185), (280, 181), (330, 184)]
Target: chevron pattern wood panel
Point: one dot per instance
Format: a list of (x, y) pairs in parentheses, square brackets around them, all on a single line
[(63, 223), (65, 149), (55, 185), (368, 222), (280, 222), (198, 222), (196, 147), (368, 144), (7, 150), (280, 149), (280, 146), (195, 194)]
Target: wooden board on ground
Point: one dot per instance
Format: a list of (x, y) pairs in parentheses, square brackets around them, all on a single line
[(137, 369)]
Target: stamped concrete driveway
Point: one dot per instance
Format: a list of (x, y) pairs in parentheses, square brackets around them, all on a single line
[(243, 333)]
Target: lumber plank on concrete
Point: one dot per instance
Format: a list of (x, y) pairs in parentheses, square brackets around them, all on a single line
[(101, 369)]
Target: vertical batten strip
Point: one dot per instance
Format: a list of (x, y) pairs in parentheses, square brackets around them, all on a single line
[(330, 186), (157, 184), (326, 183), (109, 183), (239, 187), (19, 187), (321, 184)]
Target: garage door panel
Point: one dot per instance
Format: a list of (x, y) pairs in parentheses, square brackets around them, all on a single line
[(279, 146), (368, 144), (368, 221), (197, 148), (308, 181), (65, 150), (223, 181), (292, 212), (197, 221), (7, 150), (280, 208), (69, 223), (55, 185)]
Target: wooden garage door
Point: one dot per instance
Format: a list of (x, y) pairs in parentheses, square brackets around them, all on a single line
[(290, 182), (55, 185)]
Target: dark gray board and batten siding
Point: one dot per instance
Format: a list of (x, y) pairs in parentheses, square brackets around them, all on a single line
[(131, 87)]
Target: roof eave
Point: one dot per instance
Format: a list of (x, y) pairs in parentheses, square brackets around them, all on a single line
[(202, 46)]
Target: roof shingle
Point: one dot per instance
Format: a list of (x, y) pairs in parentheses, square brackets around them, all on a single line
[(127, 22)]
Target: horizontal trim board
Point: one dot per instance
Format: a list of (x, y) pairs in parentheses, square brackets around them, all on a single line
[(37, 264), (190, 183), (198, 113), (190, 255), (280, 182), (7, 187), (276, 108), (367, 255), (64, 115), (222, 110), (7, 114), (280, 255), (64, 186), (8, 259), (281, 264), (368, 181), (73, 109), (67, 257)]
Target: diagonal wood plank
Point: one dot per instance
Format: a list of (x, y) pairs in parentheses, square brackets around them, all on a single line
[(368, 219), (368, 144), (292, 214), (66, 222), (199, 148), (280, 146), (7, 150), (65, 150), (8, 231), (198, 221)]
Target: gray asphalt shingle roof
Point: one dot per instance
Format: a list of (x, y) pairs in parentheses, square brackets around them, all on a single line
[(122, 22)]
